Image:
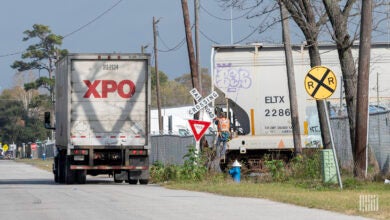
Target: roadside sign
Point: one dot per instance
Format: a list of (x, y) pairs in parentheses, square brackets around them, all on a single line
[(5, 147), (203, 103), (320, 82), (198, 128)]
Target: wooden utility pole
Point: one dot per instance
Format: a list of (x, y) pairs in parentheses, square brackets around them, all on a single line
[(160, 121), (291, 80), (190, 48), (304, 16), (362, 89), (197, 46)]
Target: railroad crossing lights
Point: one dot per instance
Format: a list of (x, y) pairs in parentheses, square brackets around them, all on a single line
[(320, 82)]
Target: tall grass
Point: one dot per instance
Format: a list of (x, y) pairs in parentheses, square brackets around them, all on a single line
[(193, 169)]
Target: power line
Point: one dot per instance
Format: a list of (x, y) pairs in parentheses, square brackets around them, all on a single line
[(239, 41), (10, 54), (249, 35), (178, 45), (254, 31), (208, 38), (227, 19), (75, 31), (93, 20)]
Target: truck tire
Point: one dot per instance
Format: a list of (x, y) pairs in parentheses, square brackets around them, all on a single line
[(133, 182), (56, 179), (117, 181), (61, 167), (69, 174), (81, 176), (55, 170), (132, 177), (117, 178), (143, 181)]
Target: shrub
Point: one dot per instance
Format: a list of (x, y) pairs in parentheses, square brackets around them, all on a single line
[(306, 166), (157, 172), (276, 168), (193, 169)]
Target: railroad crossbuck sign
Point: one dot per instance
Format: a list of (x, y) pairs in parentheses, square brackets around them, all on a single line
[(203, 103), (320, 82)]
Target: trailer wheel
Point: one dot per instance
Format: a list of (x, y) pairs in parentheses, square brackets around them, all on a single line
[(117, 179), (81, 176), (55, 170), (143, 181), (133, 182), (120, 176), (56, 179), (69, 174), (61, 167)]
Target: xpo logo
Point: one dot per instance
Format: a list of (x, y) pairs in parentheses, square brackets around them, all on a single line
[(124, 88)]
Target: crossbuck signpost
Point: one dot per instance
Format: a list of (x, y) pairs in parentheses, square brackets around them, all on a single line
[(320, 83), (202, 104)]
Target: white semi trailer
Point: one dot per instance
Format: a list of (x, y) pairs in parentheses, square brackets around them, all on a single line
[(252, 82), (102, 117)]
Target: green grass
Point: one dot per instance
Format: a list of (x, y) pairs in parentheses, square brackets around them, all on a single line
[(308, 193), (42, 164), (329, 198)]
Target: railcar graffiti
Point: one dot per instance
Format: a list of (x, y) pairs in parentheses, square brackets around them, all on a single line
[(232, 78)]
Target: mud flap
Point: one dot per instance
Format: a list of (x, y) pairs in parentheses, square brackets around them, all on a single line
[(139, 174), (120, 176)]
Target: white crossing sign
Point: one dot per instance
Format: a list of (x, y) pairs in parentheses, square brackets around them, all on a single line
[(203, 103)]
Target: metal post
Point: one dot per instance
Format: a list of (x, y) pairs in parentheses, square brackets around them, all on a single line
[(333, 148)]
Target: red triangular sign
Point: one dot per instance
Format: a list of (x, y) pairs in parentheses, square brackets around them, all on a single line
[(198, 128)]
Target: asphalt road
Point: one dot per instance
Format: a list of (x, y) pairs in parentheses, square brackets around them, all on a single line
[(30, 193)]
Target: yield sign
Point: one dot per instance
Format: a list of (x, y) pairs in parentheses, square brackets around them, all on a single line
[(198, 128)]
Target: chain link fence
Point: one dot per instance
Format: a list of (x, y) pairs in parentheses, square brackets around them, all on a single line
[(378, 140), (171, 149)]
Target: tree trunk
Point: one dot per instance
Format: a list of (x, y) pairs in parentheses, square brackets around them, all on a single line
[(315, 60), (302, 12), (339, 20)]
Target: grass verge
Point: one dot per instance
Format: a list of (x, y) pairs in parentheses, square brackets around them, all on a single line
[(42, 164), (328, 198)]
